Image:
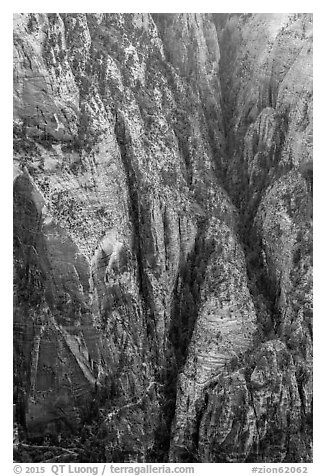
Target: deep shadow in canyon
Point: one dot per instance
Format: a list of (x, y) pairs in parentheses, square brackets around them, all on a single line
[(163, 237)]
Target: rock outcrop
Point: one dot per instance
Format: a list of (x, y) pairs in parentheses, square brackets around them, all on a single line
[(162, 234)]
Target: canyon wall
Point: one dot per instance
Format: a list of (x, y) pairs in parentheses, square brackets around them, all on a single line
[(163, 234)]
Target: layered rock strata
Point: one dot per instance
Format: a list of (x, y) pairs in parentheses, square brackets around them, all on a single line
[(162, 233)]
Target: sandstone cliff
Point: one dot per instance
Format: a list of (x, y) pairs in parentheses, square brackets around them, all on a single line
[(162, 235)]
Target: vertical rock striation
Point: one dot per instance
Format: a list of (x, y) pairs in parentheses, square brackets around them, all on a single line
[(162, 233)]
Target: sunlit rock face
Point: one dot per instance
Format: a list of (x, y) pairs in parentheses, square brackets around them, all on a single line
[(163, 233)]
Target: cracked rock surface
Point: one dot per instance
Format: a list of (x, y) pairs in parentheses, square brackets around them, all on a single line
[(163, 235)]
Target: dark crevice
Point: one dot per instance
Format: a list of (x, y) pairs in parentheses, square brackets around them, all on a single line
[(135, 208), (263, 286), (232, 174), (184, 315), (187, 295)]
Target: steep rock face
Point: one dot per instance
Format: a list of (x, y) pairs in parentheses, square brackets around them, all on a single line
[(56, 341), (224, 330), (163, 233), (120, 162), (265, 77), (267, 81), (261, 414)]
